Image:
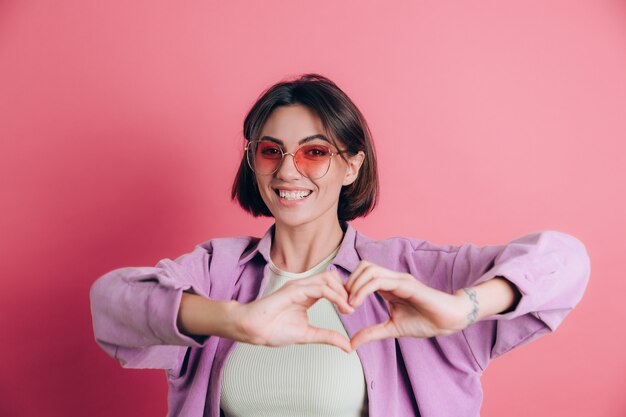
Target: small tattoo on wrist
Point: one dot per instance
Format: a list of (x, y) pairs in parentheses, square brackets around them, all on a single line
[(471, 317)]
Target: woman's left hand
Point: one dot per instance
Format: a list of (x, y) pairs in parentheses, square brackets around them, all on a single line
[(416, 310)]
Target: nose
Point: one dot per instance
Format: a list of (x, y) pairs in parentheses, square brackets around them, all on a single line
[(287, 168)]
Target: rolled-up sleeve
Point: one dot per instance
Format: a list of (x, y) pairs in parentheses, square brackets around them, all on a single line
[(549, 268), (134, 309)]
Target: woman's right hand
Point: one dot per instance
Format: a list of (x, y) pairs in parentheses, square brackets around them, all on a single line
[(281, 319)]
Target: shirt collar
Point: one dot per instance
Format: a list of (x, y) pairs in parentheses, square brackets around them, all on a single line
[(347, 256)]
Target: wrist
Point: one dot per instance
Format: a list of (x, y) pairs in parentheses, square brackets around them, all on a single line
[(232, 323), (199, 316), (494, 296), (241, 327), (469, 306)]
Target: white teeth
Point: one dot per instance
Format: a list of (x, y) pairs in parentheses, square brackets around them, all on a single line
[(293, 195)]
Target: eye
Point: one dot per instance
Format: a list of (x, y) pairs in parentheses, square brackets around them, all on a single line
[(316, 151), (269, 150)]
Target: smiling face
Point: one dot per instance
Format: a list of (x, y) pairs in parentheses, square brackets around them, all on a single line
[(292, 198)]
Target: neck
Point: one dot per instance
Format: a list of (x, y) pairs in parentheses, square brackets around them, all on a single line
[(298, 249)]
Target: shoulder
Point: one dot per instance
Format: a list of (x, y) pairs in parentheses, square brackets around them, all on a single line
[(228, 243), (216, 250), (239, 246), (431, 262), (216, 257), (398, 245)]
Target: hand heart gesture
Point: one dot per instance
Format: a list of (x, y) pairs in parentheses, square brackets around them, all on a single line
[(416, 310)]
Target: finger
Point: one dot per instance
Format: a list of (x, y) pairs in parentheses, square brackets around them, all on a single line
[(369, 334), (374, 284), (334, 281), (356, 273), (340, 300), (364, 274), (337, 287), (368, 274), (317, 291), (330, 278), (327, 337)]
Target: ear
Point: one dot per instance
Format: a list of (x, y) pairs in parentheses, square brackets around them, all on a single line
[(354, 164)]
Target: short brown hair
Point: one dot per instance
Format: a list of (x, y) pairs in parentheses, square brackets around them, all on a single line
[(340, 117)]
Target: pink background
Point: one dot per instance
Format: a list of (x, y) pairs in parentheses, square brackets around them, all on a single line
[(120, 127)]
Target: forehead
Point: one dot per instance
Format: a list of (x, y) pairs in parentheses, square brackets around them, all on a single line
[(292, 123)]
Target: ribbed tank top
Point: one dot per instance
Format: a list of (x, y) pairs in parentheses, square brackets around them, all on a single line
[(297, 380)]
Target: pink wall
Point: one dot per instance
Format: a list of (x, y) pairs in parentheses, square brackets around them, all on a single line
[(120, 127)]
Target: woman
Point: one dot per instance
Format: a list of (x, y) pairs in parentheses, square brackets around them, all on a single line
[(315, 318)]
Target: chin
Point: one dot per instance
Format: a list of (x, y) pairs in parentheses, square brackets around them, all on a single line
[(295, 216), (293, 220)]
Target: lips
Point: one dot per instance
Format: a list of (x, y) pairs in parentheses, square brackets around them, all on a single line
[(291, 194)]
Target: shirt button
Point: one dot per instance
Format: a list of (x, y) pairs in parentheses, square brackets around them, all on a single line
[(332, 267), (372, 384)]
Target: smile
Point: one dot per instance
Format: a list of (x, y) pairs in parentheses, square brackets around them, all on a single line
[(293, 195)]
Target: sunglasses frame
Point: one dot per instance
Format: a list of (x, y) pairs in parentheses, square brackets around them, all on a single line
[(293, 155)]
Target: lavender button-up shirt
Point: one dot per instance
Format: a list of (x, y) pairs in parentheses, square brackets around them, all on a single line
[(134, 313)]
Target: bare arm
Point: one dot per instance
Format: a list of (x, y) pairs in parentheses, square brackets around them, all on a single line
[(278, 319), (491, 297), (199, 316)]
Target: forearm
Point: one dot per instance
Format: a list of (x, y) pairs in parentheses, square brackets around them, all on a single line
[(491, 297), (199, 316)]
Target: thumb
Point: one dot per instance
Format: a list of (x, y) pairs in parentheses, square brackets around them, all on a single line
[(327, 337), (379, 331)]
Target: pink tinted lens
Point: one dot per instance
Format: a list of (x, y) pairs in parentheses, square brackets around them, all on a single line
[(267, 157), (313, 160)]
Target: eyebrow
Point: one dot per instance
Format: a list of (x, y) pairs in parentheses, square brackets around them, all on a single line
[(300, 142)]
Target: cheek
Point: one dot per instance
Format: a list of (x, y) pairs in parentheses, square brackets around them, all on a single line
[(262, 187), (332, 187), (336, 177)]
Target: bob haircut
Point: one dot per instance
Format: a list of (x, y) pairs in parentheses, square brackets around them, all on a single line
[(343, 123)]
